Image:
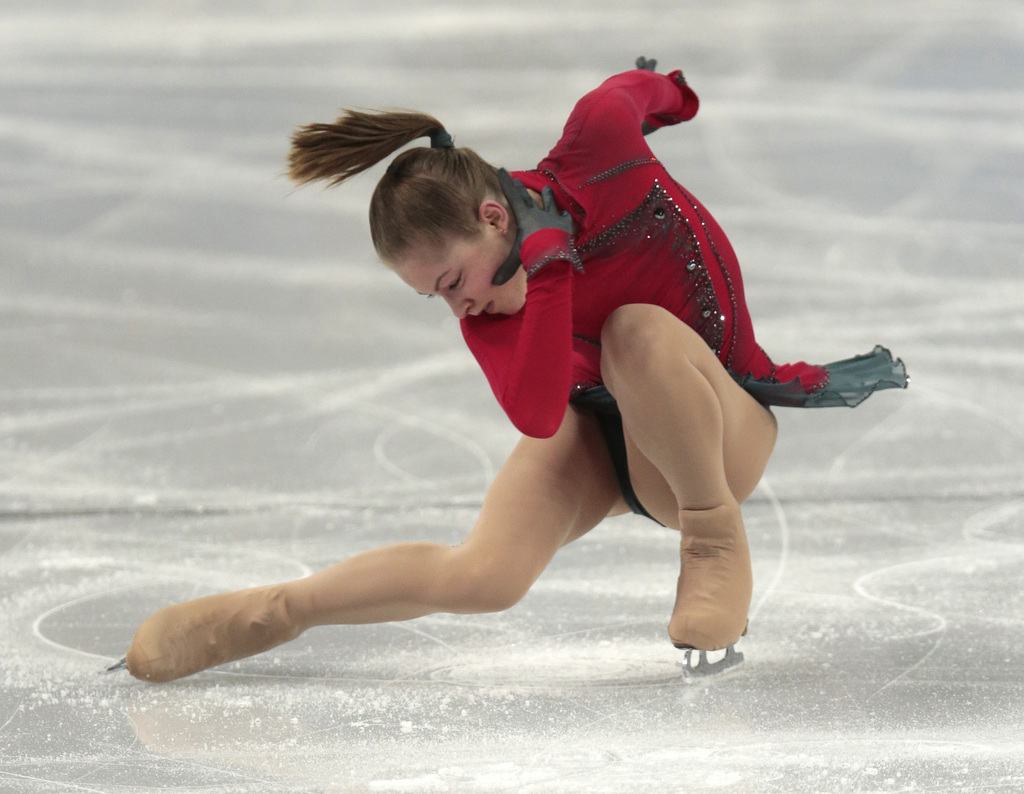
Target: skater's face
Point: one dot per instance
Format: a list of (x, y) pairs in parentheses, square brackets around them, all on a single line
[(461, 270)]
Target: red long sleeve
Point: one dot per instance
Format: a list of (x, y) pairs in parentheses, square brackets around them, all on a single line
[(604, 128), (527, 356)]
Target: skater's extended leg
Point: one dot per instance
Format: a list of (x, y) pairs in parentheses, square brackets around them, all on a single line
[(698, 445), (549, 492)]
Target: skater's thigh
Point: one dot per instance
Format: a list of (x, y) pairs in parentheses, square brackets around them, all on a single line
[(749, 434), (549, 492)]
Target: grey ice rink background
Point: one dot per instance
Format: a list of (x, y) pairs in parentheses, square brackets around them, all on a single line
[(207, 382)]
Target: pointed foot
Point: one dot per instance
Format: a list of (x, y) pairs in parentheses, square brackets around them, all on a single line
[(183, 639), (121, 665)]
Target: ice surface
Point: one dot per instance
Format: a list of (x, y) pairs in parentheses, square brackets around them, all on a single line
[(208, 382)]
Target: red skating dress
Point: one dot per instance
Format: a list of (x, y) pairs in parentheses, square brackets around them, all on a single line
[(642, 238)]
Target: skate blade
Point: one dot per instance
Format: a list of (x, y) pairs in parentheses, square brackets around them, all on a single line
[(121, 665), (701, 664)]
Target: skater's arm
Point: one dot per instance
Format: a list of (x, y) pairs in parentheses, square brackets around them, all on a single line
[(605, 126), (527, 357), (529, 365)]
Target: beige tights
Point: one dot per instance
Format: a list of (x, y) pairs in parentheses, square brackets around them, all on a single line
[(704, 440), (715, 583), (186, 638), (396, 582), (701, 444)]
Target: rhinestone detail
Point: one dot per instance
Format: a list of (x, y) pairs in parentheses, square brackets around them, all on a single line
[(566, 197), (621, 168), (655, 232), (567, 252), (722, 269)]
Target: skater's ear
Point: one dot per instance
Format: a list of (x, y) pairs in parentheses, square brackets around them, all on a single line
[(493, 213)]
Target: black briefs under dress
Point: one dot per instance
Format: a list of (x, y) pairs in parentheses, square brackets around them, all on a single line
[(849, 382), (600, 401)]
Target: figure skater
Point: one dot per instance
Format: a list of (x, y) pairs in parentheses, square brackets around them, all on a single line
[(606, 308)]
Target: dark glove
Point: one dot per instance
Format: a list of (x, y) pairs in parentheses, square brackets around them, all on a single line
[(651, 64), (529, 219)]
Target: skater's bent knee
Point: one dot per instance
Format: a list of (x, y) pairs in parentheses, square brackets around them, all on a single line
[(478, 588), (628, 325), (634, 337)]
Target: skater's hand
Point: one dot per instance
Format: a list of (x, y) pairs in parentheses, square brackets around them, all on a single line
[(651, 64), (529, 219)]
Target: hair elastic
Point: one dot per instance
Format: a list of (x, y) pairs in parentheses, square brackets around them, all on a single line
[(440, 139)]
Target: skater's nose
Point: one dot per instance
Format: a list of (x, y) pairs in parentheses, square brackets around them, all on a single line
[(461, 305)]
